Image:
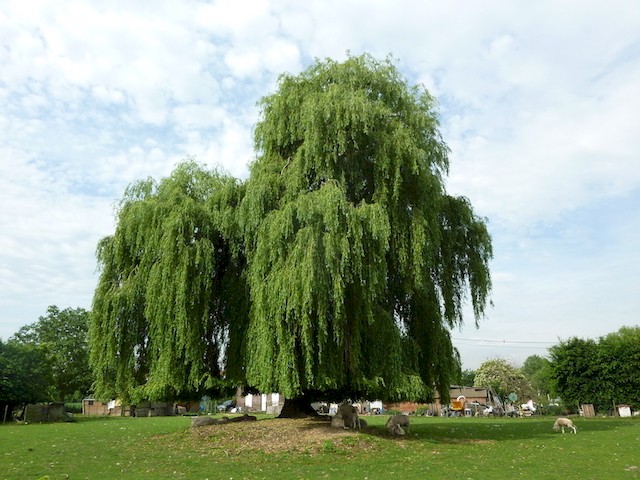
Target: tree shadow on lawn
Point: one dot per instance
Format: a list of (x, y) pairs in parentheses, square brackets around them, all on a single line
[(449, 431), (495, 430), (308, 435)]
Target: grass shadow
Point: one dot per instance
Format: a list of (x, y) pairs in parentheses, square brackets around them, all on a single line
[(464, 430)]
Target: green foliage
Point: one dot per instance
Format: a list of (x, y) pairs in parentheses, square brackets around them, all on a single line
[(504, 378), (537, 371), (73, 407), (25, 375), (468, 378), (554, 410), (575, 371), (171, 300), (599, 372), (62, 334), (359, 261), (336, 270)]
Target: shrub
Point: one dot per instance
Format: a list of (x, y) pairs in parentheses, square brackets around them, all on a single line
[(425, 411), (555, 410), (73, 407)]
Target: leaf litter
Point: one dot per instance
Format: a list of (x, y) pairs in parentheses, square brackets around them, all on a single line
[(276, 435)]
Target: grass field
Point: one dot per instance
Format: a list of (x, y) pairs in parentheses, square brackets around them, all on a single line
[(437, 448)]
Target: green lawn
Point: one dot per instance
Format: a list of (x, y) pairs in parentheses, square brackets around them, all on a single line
[(437, 448)]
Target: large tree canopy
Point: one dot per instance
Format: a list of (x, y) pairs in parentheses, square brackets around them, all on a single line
[(170, 287), (358, 260), (338, 268)]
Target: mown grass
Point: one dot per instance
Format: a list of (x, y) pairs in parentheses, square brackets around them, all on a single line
[(437, 448)]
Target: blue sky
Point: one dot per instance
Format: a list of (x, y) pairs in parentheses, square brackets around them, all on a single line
[(539, 104)]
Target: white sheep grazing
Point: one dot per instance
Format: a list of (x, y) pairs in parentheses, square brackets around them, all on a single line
[(564, 422), (401, 421), (395, 429)]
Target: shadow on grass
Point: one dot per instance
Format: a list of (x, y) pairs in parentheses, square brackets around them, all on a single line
[(479, 430), (485, 430)]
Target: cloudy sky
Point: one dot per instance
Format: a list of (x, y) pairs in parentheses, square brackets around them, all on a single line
[(539, 103)]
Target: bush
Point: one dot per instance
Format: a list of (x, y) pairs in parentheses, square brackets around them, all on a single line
[(555, 410), (73, 407), (425, 411)]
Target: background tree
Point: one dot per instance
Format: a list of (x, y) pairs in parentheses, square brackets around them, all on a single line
[(467, 378), (25, 375), (537, 371), (337, 270), (62, 335), (504, 378), (576, 372), (620, 363), (600, 372), (358, 260)]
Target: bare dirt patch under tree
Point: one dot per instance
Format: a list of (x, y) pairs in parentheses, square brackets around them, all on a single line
[(283, 435)]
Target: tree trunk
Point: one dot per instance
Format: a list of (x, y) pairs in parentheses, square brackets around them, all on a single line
[(299, 407)]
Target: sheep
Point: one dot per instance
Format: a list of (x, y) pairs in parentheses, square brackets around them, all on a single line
[(205, 420), (346, 417), (337, 422), (395, 429), (401, 421), (564, 422)]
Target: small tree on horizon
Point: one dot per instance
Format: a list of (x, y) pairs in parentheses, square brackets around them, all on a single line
[(467, 378), (25, 375), (538, 372), (504, 378), (62, 335)]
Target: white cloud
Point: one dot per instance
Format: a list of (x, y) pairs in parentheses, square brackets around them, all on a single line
[(47, 242), (243, 63), (538, 101), (241, 21)]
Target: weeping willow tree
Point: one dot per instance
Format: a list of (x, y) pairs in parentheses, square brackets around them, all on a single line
[(337, 270), (358, 261), (170, 289)]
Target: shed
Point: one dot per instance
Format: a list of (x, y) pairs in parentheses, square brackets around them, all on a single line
[(92, 407), (45, 412), (270, 403)]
